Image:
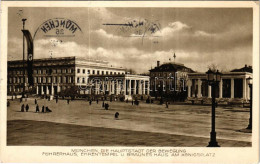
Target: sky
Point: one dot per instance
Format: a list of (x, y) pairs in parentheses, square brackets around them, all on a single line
[(199, 37)]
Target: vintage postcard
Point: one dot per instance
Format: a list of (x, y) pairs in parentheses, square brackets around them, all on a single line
[(161, 82)]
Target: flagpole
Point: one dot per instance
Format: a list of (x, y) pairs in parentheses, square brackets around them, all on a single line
[(23, 62)]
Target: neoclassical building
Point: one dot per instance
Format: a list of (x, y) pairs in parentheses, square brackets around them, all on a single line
[(169, 78), (233, 84), (53, 75)]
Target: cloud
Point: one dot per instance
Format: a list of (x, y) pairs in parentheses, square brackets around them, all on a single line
[(172, 28)]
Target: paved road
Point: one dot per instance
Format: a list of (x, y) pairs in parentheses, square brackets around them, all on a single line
[(146, 124)]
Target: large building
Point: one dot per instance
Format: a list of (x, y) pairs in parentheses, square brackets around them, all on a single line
[(233, 85), (169, 78), (53, 75)]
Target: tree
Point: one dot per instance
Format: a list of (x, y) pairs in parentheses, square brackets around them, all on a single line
[(72, 91), (213, 67), (131, 71)]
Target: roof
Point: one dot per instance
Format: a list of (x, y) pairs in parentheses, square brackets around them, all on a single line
[(243, 69), (171, 67)]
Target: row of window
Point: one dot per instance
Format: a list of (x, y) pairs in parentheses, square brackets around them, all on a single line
[(43, 71), (84, 71), (93, 72), (165, 74)]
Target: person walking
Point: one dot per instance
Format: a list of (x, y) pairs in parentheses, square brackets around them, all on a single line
[(37, 108), (35, 101), (27, 108), (68, 101), (56, 99), (167, 104), (42, 109), (22, 108), (90, 101), (97, 101)]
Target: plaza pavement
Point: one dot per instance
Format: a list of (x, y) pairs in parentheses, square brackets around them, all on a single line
[(78, 123)]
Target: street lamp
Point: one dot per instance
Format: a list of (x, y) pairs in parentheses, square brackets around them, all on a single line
[(213, 80), (250, 83)]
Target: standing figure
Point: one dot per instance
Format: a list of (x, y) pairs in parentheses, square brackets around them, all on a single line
[(35, 101), (167, 104), (97, 101), (22, 108), (27, 108), (42, 109), (132, 102), (103, 104), (56, 99), (116, 115), (37, 108), (106, 106), (68, 101), (90, 101)]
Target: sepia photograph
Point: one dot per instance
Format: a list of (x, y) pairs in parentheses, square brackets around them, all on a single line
[(140, 77)]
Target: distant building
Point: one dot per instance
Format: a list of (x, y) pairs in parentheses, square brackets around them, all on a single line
[(52, 75), (169, 78), (232, 85)]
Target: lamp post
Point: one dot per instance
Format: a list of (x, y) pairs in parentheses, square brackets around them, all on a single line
[(250, 83), (213, 80), (23, 20)]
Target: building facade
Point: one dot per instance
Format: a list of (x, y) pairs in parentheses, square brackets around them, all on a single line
[(233, 85), (169, 78), (51, 76)]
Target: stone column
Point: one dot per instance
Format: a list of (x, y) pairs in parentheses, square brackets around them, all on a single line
[(209, 91), (148, 88), (232, 88), (109, 87), (117, 87), (189, 88), (199, 88), (194, 89), (244, 88), (129, 87), (58, 88), (47, 89), (42, 89), (144, 87), (247, 91), (220, 88), (37, 89), (139, 87), (96, 88), (124, 84), (134, 87), (103, 86), (113, 87), (52, 89)]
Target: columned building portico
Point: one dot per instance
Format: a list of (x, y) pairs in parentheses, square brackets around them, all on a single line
[(232, 85), (121, 84)]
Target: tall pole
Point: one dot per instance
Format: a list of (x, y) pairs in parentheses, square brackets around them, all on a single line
[(23, 62), (213, 140), (250, 119)]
